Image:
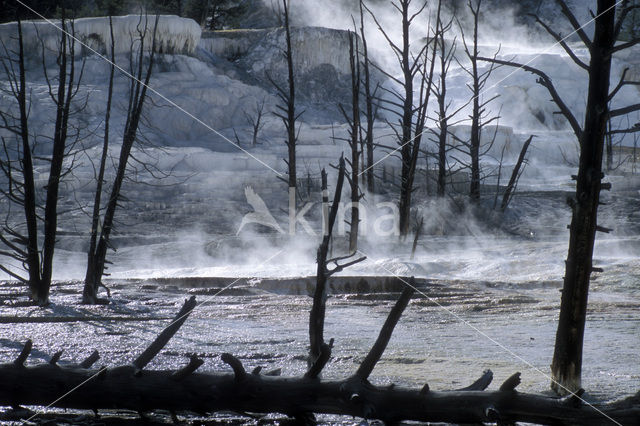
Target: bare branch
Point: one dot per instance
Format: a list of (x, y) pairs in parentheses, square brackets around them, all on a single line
[(380, 345), (624, 110), (163, 338), (561, 42), (574, 23), (625, 45), (546, 82)]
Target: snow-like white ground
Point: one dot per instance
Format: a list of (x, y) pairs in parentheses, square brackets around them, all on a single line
[(187, 226), (201, 104), (173, 34)]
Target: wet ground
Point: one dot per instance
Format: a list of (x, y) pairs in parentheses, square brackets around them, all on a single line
[(449, 334), (486, 300)]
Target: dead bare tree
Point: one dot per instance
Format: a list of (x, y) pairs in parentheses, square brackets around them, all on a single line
[(287, 112), (566, 367), (255, 120), (369, 96), (96, 261), (444, 114), (319, 351), (136, 388), (411, 112), (616, 134), (479, 114), (515, 175), (90, 292), (18, 166), (416, 236), (354, 141)]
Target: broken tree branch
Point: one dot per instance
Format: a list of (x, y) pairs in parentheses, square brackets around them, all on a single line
[(207, 393), (164, 337), (321, 361), (24, 354), (482, 383), (316, 316), (511, 383), (238, 369), (55, 358), (380, 345), (90, 360), (545, 81), (188, 391), (194, 364), (513, 181)]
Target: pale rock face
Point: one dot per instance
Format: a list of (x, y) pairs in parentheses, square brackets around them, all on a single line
[(174, 35), (221, 78), (212, 97), (320, 58), (312, 47)]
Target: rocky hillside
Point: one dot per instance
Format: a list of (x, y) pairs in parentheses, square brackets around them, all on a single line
[(208, 86)]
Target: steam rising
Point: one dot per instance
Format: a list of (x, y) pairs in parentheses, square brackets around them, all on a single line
[(188, 228)]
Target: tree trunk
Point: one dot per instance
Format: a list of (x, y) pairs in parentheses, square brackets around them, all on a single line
[(63, 104), (515, 175), (29, 204), (91, 281), (609, 139), (126, 387), (96, 267), (474, 148), (443, 118), (287, 113), (369, 114), (354, 142), (406, 191), (317, 313), (291, 102), (567, 358), (442, 158)]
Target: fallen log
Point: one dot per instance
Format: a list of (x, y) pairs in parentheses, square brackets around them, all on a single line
[(202, 393), (131, 387)]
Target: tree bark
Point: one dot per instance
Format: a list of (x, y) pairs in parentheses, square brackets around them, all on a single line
[(63, 103), (29, 203), (443, 118), (404, 205), (96, 266), (317, 313), (515, 175), (122, 388), (35, 251), (354, 142), (91, 284), (567, 358), (369, 114), (474, 142), (291, 105)]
